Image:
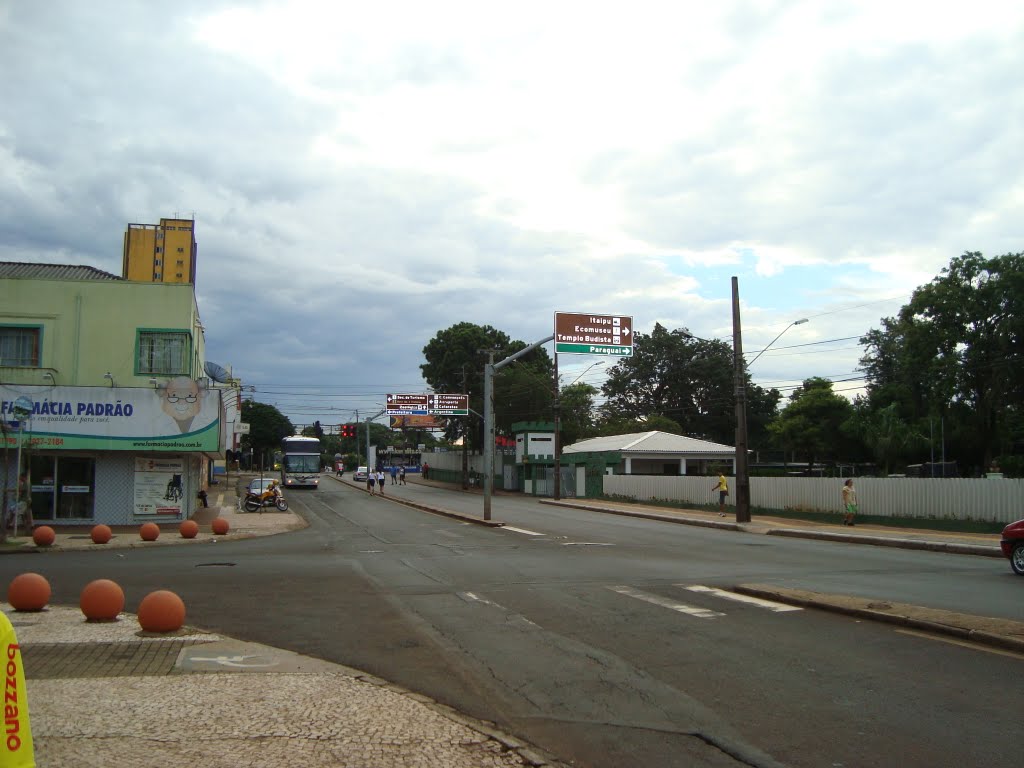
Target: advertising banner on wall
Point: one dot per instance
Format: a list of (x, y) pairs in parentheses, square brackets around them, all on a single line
[(176, 416), (159, 486)]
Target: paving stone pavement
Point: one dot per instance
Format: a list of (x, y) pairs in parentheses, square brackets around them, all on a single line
[(108, 694)]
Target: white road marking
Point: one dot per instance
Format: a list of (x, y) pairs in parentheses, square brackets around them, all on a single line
[(586, 544), (476, 598), (522, 530), (514, 617), (756, 601), (690, 610)]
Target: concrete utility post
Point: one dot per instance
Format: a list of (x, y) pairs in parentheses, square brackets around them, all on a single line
[(742, 477), (739, 369), (490, 368)]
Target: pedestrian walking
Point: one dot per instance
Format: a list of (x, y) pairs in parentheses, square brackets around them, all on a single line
[(380, 481), (849, 502), (426, 470), (401, 475), (723, 491), (371, 480), (394, 475)]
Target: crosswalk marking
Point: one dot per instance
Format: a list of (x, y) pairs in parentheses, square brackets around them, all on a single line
[(756, 601), (521, 530), (690, 610)]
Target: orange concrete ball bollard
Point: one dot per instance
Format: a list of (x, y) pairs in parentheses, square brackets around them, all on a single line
[(220, 526), (101, 600), (161, 611), (188, 529), (149, 531), (43, 536), (28, 592), (100, 534)]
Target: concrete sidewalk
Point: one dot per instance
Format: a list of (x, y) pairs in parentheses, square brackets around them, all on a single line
[(105, 694)]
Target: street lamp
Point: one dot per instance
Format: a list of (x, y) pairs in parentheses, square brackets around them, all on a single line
[(585, 370), (742, 475), (801, 321)]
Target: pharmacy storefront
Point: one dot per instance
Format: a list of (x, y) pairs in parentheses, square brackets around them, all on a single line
[(113, 455)]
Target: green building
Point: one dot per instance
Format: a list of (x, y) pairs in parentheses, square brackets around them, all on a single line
[(123, 421)]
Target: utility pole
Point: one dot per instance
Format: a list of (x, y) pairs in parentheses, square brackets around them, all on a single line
[(742, 476), (557, 407), (465, 439)]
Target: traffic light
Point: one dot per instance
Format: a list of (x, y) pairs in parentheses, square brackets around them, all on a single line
[(347, 430)]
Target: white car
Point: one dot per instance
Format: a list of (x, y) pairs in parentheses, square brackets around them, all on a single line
[(259, 484), (360, 475)]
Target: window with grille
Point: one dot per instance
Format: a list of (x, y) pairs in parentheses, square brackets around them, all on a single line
[(164, 352), (19, 346)]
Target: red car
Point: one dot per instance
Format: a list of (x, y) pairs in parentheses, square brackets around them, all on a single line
[(1013, 546)]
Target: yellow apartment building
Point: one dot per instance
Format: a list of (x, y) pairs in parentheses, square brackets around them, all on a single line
[(160, 253)]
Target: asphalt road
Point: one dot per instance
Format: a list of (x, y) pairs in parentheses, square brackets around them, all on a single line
[(595, 637)]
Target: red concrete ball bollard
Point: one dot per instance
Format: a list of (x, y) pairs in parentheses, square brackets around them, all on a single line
[(220, 526), (149, 531), (101, 600), (161, 611), (188, 529), (43, 536), (28, 592), (100, 534)]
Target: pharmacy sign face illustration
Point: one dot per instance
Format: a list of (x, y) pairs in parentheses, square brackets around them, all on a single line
[(182, 399)]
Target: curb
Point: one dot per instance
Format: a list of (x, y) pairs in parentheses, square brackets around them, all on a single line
[(798, 533), (934, 621), (886, 541), (432, 510), (699, 522)]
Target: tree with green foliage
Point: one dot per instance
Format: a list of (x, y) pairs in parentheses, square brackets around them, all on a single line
[(577, 412), (455, 360), (688, 380), (954, 353), (889, 437), (812, 422), (267, 428)]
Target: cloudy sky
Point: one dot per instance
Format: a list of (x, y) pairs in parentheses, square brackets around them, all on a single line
[(364, 175)]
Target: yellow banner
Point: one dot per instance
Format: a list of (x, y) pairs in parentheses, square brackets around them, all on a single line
[(17, 750)]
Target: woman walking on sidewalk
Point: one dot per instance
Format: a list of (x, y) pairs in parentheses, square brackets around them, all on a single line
[(849, 502)]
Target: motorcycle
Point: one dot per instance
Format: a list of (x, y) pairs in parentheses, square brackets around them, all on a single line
[(253, 502)]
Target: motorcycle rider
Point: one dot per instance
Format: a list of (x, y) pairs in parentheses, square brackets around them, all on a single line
[(272, 492)]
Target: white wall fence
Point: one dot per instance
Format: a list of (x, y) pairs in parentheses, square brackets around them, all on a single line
[(998, 500)]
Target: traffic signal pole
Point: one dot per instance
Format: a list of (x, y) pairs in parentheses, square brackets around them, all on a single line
[(491, 368)]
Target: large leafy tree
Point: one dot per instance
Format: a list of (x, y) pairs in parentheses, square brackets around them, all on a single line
[(455, 360), (267, 428), (888, 436), (577, 415), (687, 380), (812, 422), (954, 352)]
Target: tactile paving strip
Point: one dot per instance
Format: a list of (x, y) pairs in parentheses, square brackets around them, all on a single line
[(67, 660)]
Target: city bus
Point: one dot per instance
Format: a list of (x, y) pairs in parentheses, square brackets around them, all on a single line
[(300, 462)]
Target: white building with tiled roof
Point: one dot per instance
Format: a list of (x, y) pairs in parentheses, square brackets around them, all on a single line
[(658, 453)]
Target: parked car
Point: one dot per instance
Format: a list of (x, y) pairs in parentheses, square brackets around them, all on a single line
[(360, 475), (1012, 545)]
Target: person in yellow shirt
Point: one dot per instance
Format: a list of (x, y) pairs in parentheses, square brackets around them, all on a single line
[(723, 491)]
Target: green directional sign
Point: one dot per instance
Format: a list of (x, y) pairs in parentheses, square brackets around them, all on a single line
[(594, 349), (589, 334)]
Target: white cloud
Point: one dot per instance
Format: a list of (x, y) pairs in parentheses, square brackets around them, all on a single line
[(396, 168)]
